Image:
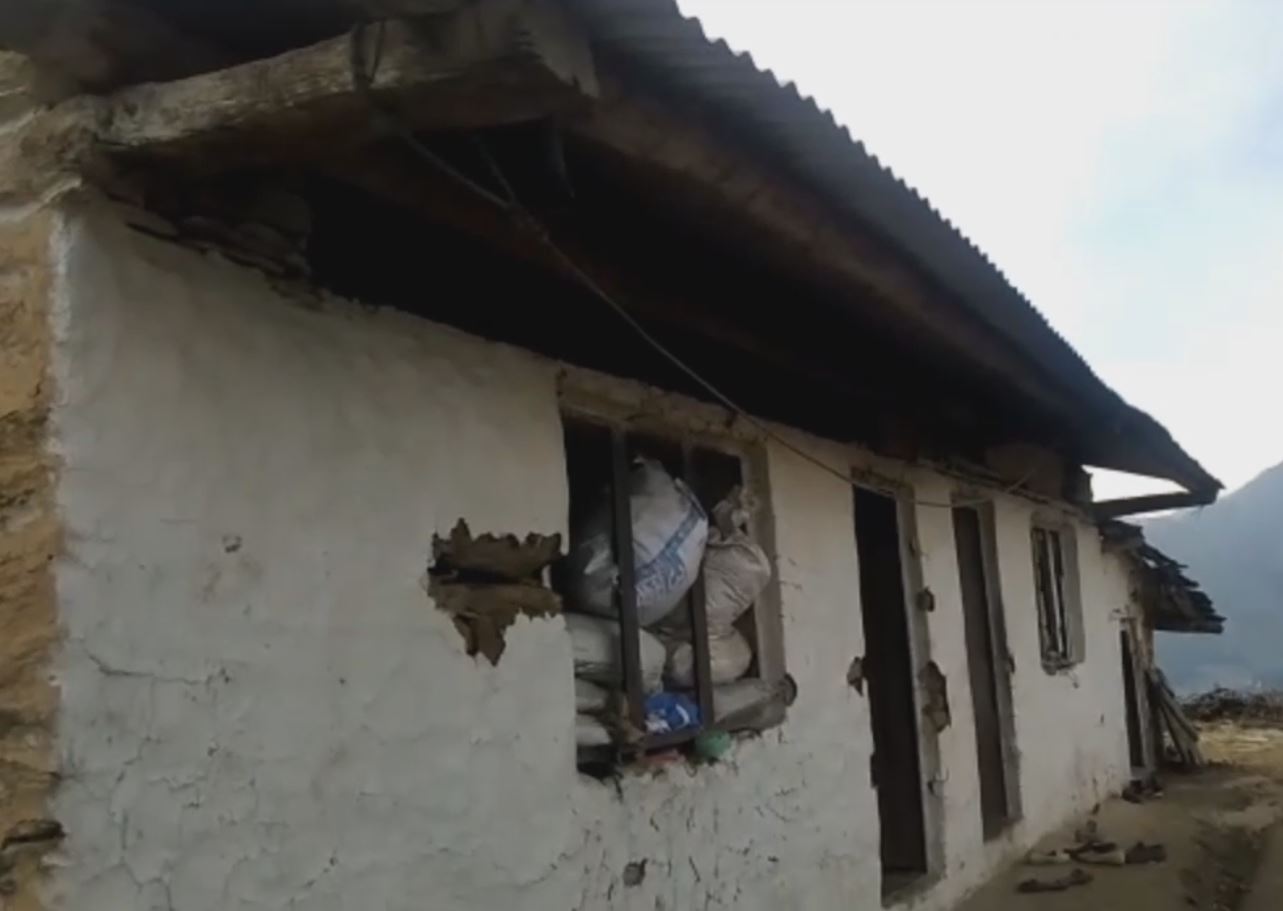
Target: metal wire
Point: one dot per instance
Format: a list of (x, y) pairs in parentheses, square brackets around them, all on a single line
[(508, 202)]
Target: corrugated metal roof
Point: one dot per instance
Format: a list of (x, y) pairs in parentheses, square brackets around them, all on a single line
[(790, 132), (799, 135)]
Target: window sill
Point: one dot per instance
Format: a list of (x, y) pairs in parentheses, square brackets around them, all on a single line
[(609, 759), (1054, 666)]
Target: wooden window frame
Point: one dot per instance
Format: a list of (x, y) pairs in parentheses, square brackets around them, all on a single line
[(1056, 595), (767, 644)]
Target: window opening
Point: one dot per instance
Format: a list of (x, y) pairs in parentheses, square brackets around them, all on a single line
[(666, 644), (1056, 593)]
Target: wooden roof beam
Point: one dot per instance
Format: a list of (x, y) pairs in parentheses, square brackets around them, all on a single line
[(1132, 506), (101, 45), (482, 65)]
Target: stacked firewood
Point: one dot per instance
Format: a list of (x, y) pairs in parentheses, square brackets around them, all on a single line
[(1179, 730)]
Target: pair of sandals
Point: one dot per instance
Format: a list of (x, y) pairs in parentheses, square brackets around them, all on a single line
[(1094, 852)]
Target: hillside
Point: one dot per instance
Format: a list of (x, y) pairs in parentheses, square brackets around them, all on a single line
[(1235, 549)]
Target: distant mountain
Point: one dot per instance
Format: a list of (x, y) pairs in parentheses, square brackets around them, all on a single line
[(1234, 548)]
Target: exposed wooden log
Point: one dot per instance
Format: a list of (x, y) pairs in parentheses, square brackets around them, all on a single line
[(51, 150), (100, 45), (486, 65), (1130, 506)]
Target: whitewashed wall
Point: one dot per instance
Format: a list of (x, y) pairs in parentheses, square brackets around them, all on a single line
[(262, 710)]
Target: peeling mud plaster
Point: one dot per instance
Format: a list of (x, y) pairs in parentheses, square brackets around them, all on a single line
[(935, 689), (29, 541), (30, 534), (855, 675), (485, 583), (483, 613)]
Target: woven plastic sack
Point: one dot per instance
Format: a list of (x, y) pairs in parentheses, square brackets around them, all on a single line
[(595, 642), (729, 656), (670, 529), (590, 697)]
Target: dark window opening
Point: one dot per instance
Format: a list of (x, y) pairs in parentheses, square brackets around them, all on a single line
[(662, 679), (888, 668), (1053, 611)]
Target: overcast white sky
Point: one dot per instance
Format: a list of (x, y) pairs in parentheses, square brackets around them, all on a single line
[(1122, 162)]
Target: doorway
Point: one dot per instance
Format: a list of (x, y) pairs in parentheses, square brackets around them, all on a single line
[(896, 764), (1135, 744), (986, 652)]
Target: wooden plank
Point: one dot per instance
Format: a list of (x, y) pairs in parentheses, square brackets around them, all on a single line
[(100, 45), (626, 587), (1183, 735), (978, 637), (1130, 506), (699, 620), (487, 65)]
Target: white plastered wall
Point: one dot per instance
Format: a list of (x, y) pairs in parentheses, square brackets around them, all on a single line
[(1069, 726), (261, 709)]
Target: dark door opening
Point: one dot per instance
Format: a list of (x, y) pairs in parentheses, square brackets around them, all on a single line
[(1134, 745), (888, 666), (983, 649)]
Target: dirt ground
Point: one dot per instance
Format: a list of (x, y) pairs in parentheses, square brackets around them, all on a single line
[(1221, 828)]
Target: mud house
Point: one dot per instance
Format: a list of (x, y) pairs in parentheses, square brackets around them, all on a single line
[(348, 343)]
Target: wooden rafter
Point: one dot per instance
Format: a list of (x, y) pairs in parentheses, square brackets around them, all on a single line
[(797, 226), (1132, 506)]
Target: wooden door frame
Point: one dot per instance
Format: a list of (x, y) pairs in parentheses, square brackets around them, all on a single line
[(930, 764), (1002, 656)]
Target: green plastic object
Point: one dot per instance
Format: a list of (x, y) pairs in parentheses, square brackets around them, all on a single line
[(713, 745)]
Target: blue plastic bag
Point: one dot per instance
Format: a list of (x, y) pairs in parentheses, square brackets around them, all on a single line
[(667, 713)]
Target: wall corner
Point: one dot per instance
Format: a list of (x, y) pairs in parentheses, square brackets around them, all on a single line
[(30, 534)]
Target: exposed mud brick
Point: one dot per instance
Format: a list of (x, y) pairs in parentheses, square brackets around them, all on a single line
[(29, 541), (17, 83), (504, 557), (51, 149)]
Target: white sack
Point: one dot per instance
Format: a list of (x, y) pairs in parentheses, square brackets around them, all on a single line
[(669, 532), (729, 656), (597, 656), (590, 697), (589, 732), (735, 572)]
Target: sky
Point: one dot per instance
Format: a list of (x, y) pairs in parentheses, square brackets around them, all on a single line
[(1121, 162)]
